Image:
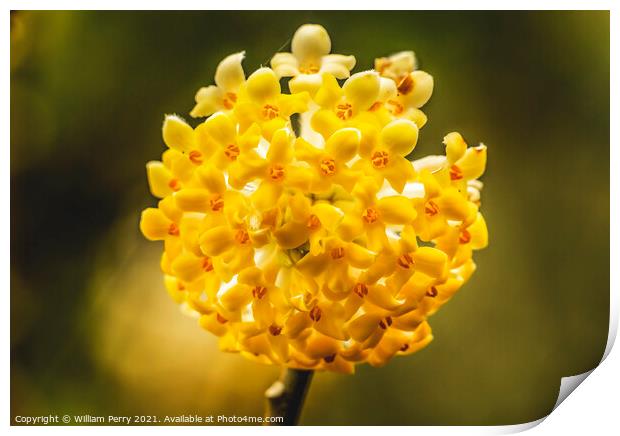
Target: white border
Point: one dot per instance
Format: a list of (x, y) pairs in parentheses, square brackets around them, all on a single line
[(313, 5), (594, 409)]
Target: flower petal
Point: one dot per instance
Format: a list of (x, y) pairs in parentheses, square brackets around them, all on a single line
[(387, 89), (229, 73), (217, 240), (159, 178), (479, 233), (350, 227), (337, 65), (285, 65), (263, 84), (319, 346), (396, 65), (455, 146), (154, 225), (343, 144), (382, 297), (192, 200), (362, 327), (296, 323), (310, 41), (399, 172), (473, 162), (430, 261), (311, 265), (236, 297), (326, 122), (209, 322), (294, 103), (400, 136), (188, 267), (396, 210), (329, 215), (358, 256), (280, 150), (362, 89), (221, 128), (421, 91), (266, 195), (212, 178), (177, 133), (453, 204), (208, 101), (310, 83), (291, 235), (331, 322)]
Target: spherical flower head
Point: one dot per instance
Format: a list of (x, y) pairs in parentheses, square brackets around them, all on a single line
[(324, 246)]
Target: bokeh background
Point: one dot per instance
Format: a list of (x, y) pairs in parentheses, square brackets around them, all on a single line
[(92, 328)]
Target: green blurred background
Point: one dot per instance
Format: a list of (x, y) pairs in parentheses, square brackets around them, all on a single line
[(92, 328)]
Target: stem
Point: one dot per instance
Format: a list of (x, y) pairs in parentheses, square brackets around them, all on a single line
[(285, 397)]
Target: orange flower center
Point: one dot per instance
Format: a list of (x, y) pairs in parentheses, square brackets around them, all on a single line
[(276, 172), (395, 107), (242, 236), (432, 292), (313, 222), (309, 68), (270, 112), (269, 218), (379, 159), (455, 173), (431, 208), (337, 253), (385, 323), (216, 203), (405, 86), (259, 292), (370, 215), (275, 330), (328, 166), (405, 261), (315, 313), (174, 184), (464, 237), (375, 106), (196, 157), (229, 100), (344, 111), (381, 64), (232, 151), (330, 358), (207, 264), (173, 230), (360, 289), (221, 319)]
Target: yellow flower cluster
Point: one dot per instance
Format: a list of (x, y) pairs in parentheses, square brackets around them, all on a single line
[(294, 225)]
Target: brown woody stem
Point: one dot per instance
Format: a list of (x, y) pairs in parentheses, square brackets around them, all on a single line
[(285, 397)]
